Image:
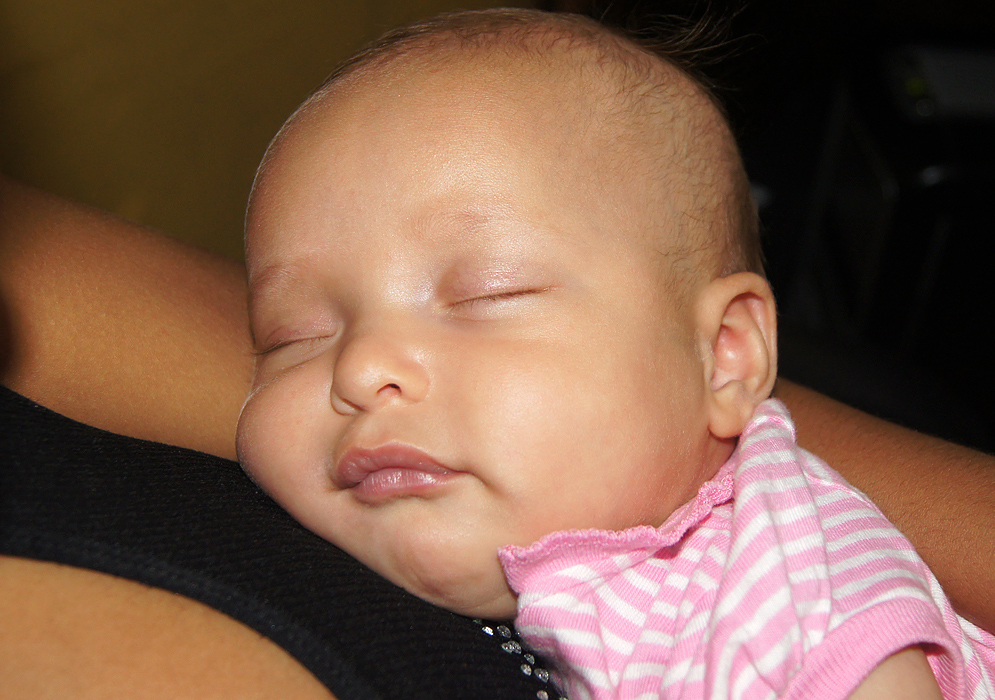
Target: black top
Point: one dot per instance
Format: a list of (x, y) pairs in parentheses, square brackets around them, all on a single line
[(194, 524)]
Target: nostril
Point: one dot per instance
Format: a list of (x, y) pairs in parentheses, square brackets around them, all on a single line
[(390, 390), (344, 407)]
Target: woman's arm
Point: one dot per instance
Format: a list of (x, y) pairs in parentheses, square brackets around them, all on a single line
[(133, 332), (80, 635), (942, 496), (120, 327)]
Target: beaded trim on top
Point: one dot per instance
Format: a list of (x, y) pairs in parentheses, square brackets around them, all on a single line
[(511, 643)]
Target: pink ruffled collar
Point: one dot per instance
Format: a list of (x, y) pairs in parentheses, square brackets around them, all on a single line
[(576, 545)]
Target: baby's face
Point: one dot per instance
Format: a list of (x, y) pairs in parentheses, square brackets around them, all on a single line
[(464, 341)]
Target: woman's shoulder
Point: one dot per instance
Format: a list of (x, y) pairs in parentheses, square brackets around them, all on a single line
[(118, 326), (83, 634)]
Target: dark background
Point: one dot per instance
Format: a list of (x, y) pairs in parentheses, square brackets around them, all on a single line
[(868, 129)]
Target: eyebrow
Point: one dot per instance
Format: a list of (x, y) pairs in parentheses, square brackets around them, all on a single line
[(274, 279)]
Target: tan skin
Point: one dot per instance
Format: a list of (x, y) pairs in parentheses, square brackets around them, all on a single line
[(92, 333), (100, 320), (71, 633)]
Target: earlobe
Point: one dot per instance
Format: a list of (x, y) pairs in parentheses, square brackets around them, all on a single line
[(737, 324)]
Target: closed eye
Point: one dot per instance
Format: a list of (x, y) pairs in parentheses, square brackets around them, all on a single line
[(275, 347), (499, 297)]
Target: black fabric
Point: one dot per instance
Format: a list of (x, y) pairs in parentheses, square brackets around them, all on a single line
[(194, 524)]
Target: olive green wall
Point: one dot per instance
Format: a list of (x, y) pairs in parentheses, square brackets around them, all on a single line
[(159, 110)]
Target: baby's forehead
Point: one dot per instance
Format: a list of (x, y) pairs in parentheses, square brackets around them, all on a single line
[(616, 116), (628, 108)]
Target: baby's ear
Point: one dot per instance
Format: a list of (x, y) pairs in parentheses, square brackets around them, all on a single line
[(737, 329)]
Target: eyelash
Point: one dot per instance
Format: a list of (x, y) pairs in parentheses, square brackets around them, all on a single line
[(283, 344), (470, 303)]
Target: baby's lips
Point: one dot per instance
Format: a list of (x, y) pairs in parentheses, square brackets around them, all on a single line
[(358, 463)]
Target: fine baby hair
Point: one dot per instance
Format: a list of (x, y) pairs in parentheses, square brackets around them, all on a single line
[(629, 62)]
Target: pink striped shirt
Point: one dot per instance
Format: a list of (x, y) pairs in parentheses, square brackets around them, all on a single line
[(778, 580)]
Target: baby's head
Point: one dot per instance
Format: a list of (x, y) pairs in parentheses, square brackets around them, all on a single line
[(501, 273)]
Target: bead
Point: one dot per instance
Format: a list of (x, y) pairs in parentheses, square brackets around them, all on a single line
[(542, 695), (512, 647), (530, 659), (504, 632), (542, 674), (526, 669)]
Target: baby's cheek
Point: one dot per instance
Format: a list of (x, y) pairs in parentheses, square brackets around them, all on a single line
[(286, 437), (265, 431)]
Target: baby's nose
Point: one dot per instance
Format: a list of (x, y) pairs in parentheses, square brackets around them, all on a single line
[(376, 369)]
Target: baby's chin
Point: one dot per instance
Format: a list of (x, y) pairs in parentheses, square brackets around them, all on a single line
[(479, 594), (499, 607)]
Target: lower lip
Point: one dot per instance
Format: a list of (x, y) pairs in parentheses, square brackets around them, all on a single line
[(387, 484)]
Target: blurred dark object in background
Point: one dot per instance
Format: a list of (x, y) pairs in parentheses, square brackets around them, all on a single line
[(868, 130)]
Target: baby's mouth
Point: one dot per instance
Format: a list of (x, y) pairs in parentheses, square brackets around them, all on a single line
[(391, 471)]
